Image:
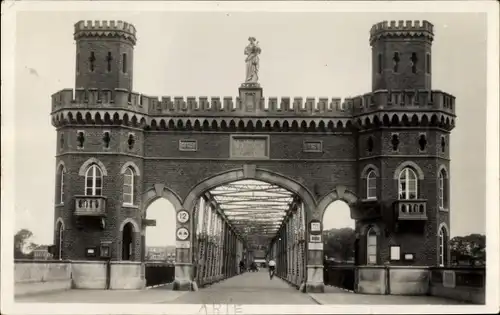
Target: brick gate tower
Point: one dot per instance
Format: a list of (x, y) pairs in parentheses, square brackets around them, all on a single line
[(90, 204), (385, 153), (403, 151)]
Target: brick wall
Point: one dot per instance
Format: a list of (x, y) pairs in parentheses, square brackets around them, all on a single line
[(100, 77), (181, 171), (404, 78)]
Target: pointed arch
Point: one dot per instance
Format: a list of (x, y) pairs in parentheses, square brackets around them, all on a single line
[(410, 164), (368, 168), (132, 165), (131, 221), (160, 191), (339, 193), (61, 164), (88, 163), (364, 229), (59, 221)]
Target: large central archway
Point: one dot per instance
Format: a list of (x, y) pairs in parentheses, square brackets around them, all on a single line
[(238, 195)]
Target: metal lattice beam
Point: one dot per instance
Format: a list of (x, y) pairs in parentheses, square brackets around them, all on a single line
[(255, 209)]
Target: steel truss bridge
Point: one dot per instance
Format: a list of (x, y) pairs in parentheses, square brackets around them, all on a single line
[(245, 220)]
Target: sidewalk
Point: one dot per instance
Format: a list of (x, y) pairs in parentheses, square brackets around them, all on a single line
[(334, 295), (162, 294)]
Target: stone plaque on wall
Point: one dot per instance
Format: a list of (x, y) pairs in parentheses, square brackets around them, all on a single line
[(313, 146), (188, 145), (249, 147)]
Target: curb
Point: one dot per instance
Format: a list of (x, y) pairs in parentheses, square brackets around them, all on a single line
[(158, 285)]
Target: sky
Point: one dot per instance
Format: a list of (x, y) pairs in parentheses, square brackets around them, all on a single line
[(201, 54)]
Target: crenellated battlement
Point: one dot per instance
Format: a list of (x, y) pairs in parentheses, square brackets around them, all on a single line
[(196, 106), (105, 28), (401, 29), (403, 100), (120, 99)]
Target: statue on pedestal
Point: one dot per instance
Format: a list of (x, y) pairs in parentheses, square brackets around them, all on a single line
[(252, 61)]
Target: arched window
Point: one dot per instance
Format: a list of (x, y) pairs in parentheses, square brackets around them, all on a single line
[(371, 250), (443, 190), (408, 184), (128, 186), (443, 246), (60, 185), (60, 242), (93, 181), (371, 185)]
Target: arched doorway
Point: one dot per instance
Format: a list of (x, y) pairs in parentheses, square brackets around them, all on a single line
[(59, 239), (128, 242)]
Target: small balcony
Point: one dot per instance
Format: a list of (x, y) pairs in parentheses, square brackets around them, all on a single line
[(93, 206), (414, 209)]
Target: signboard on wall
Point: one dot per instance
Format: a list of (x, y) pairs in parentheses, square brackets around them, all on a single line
[(315, 246), (315, 227), (183, 244), (315, 238)]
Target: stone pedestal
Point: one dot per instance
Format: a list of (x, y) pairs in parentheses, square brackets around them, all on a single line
[(315, 282), (184, 278), (250, 97)]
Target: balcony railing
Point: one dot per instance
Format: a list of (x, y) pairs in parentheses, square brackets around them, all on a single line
[(411, 209), (90, 205)]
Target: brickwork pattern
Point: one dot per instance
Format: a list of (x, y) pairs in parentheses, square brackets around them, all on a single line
[(343, 128)]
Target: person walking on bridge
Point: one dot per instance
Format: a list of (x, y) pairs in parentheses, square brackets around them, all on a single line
[(272, 268)]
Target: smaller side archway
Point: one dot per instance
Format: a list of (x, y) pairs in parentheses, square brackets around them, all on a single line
[(160, 204)]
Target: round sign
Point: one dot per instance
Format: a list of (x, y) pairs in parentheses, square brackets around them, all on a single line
[(182, 234), (182, 216)]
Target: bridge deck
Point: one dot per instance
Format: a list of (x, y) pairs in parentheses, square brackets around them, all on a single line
[(248, 288)]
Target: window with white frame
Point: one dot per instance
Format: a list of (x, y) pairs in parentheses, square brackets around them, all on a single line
[(408, 184), (128, 186), (93, 181), (443, 246), (371, 185), (371, 250), (60, 185), (442, 190)]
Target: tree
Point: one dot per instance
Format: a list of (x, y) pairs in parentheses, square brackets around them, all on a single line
[(471, 248), (23, 247), (339, 243)]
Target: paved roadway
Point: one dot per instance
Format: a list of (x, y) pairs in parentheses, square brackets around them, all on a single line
[(248, 288)]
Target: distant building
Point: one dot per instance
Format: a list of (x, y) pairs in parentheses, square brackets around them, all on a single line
[(160, 253), (42, 253)]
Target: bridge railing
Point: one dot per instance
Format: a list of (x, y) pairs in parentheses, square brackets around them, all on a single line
[(340, 276), (158, 273), (460, 283)]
